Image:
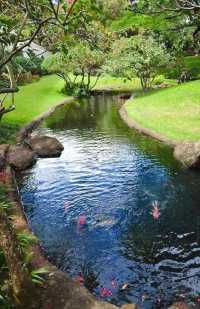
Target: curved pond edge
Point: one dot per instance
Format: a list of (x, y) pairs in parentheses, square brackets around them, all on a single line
[(60, 291), (132, 124), (31, 126), (185, 152)]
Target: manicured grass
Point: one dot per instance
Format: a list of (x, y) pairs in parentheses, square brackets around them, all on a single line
[(34, 99), (118, 84), (172, 112)]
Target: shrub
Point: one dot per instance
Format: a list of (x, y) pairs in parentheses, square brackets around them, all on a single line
[(160, 79), (138, 56), (31, 63), (190, 65)]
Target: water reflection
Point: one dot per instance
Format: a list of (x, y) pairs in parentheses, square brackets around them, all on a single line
[(111, 176)]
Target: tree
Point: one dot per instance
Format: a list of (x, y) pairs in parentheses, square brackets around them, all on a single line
[(139, 56), (171, 5), (187, 10), (80, 58), (111, 10), (77, 68), (24, 21)]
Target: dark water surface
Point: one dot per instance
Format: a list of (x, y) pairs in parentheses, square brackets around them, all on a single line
[(110, 176)]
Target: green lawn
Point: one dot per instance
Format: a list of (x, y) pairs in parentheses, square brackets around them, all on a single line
[(34, 99), (118, 84), (172, 112)]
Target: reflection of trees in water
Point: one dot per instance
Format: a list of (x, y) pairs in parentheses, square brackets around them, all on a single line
[(101, 114), (80, 114)]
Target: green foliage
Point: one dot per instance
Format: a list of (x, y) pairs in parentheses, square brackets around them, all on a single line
[(160, 79), (31, 63), (3, 191), (26, 239), (140, 22), (80, 57), (76, 68), (2, 259), (111, 10), (23, 21), (156, 6), (4, 301), (38, 275), (8, 133), (139, 56), (4, 205), (52, 63), (190, 65)]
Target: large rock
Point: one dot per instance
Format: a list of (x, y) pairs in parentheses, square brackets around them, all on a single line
[(188, 153), (45, 146), (21, 157), (3, 154)]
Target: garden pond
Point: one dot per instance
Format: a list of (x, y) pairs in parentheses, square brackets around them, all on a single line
[(92, 208)]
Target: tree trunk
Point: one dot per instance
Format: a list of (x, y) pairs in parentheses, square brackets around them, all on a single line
[(13, 86)]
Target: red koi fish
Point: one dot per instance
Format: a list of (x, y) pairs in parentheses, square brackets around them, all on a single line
[(155, 211), (104, 292), (81, 222)]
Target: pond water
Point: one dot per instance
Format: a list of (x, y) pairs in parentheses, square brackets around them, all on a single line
[(92, 208)]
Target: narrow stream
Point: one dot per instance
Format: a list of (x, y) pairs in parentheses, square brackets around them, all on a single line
[(91, 208)]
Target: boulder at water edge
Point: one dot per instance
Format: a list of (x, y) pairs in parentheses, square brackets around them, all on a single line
[(20, 157), (188, 153), (45, 146)]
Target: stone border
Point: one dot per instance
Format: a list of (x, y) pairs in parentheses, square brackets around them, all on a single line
[(185, 152), (27, 129), (134, 125)]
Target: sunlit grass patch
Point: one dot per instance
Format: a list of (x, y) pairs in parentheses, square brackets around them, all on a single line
[(172, 112)]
